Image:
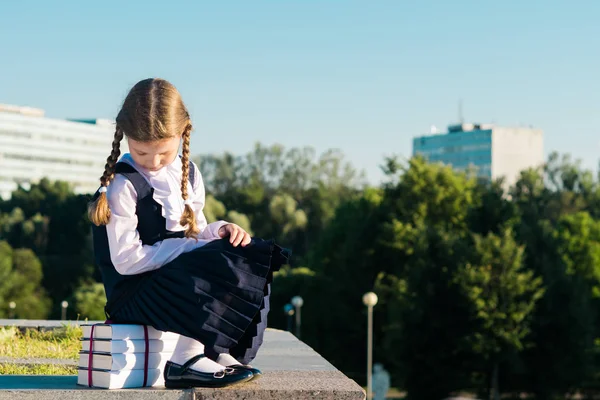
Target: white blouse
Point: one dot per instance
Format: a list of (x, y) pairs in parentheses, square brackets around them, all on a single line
[(127, 253)]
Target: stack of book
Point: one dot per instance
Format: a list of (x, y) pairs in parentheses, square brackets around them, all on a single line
[(118, 356)]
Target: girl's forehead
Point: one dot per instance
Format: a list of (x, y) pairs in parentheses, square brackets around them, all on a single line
[(155, 145)]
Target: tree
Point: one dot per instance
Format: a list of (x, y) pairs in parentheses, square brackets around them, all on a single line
[(21, 274), (502, 297), (564, 323), (345, 267), (284, 211), (250, 183), (425, 239), (578, 237), (406, 241), (214, 210), (41, 198), (50, 219), (89, 301), (21, 232)]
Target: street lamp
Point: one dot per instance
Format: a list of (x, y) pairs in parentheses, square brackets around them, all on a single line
[(369, 299), (64, 306), (288, 310), (12, 305), (297, 303)]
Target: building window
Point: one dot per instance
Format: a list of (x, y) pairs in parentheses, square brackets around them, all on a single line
[(47, 159)]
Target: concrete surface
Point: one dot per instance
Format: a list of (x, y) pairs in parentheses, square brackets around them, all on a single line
[(42, 324), (292, 371)]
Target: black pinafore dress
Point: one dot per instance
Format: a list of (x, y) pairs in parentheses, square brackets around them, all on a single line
[(217, 294)]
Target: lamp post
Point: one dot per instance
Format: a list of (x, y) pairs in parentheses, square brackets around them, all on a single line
[(12, 305), (297, 302), (64, 306), (288, 310), (369, 299)]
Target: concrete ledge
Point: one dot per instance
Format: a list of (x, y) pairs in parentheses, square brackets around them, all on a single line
[(291, 371), (290, 386), (42, 324)]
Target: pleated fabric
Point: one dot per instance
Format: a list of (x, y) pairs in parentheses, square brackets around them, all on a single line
[(217, 294)]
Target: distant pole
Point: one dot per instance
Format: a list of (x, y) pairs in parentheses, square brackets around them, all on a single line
[(460, 112), (64, 306), (288, 309), (297, 301), (12, 305), (369, 300)]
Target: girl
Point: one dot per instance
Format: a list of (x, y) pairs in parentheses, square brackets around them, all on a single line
[(162, 264)]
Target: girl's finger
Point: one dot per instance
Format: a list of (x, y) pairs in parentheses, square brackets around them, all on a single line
[(246, 240), (239, 238), (232, 236)]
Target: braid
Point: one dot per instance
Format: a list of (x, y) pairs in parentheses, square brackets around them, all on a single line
[(111, 161), (98, 211), (188, 218)]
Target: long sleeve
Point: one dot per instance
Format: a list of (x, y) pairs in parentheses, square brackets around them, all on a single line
[(127, 253), (207, 231)]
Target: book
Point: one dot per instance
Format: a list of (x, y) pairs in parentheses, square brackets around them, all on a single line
[(116, 362), (123, 379), (125, 331), (128, 346)]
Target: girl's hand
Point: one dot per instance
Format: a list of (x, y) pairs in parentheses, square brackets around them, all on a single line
[(236, 234)]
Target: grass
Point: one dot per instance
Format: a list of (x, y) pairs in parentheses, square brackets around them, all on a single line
[(60, 343)]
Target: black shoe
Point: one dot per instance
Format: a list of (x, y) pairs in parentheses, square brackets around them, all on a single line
[(255, 372), (181, 376)]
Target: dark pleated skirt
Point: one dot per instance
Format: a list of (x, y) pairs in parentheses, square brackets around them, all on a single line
[(217, 294)]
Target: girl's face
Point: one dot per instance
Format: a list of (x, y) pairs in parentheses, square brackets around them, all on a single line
[(154, 155)]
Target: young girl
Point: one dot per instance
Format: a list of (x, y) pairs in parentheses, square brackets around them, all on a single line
[(162, 264)]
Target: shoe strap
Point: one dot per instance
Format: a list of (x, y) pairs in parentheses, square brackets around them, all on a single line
[(191, 362)]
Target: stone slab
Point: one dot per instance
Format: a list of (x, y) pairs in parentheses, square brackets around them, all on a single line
[(42, 324), (288, 385), (292, 371)]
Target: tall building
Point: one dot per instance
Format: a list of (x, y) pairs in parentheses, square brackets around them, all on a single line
[(33, 147), (493, 151)]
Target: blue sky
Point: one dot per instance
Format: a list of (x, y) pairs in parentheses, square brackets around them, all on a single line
[(360, 76)]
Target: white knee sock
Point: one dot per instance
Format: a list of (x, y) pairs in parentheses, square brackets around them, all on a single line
[(226, 360), (186, 348)]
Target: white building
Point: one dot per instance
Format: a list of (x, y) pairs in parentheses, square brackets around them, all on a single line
[(494, 151), (33, 147)]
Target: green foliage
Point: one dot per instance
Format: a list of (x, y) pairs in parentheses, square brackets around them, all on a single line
[(89, 301), (289, 195), (51, 220), (24, 232), (214, 210), (283, 210), (501, 298), (578, 236), (501, 294), (20, 278), (42, 198)]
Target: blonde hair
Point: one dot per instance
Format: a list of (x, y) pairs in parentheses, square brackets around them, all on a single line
[(153, 110)]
